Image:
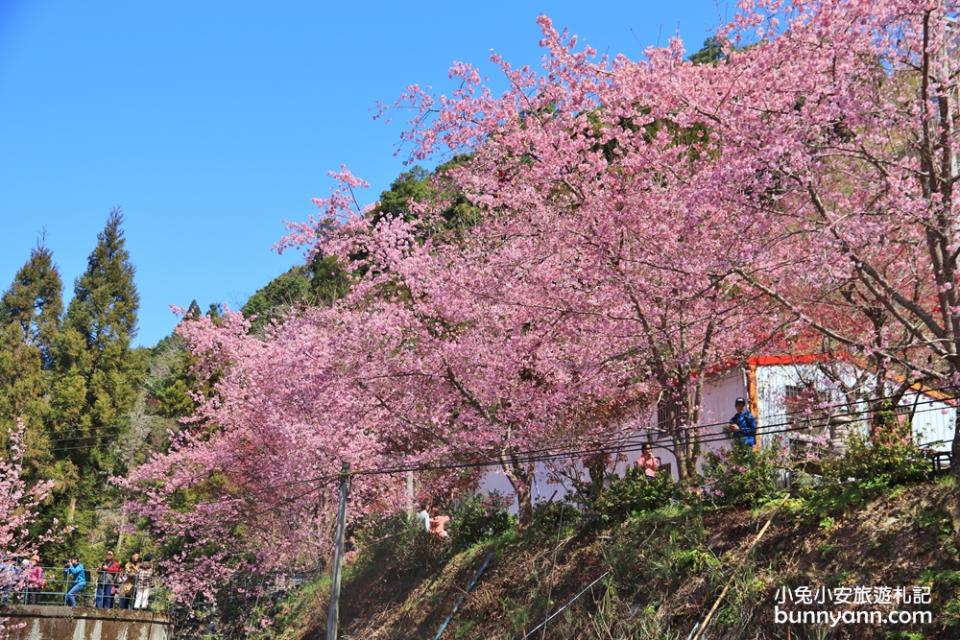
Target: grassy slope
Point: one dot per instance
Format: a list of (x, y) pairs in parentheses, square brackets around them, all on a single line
[(666, 568)]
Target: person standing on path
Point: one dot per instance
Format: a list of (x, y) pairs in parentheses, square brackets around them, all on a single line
[(438, 524), (106, 578), (144, 581), (128, 578), (78, 576), (423, 517), (743, 424), (647, 463), (35, 581)]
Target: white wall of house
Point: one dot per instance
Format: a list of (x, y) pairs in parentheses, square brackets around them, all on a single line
[(719, 394), (716, 409), (933, 422), (774, 383), (544, 485)]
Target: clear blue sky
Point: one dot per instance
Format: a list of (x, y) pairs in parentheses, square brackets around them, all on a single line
[(210, 123)]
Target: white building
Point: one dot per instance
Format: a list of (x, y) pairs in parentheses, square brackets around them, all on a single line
[(780, 391)]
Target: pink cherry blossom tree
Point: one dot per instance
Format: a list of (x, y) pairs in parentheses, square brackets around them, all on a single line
[(505, 371), (823, 154), (602, 217), (636, 224), (848, 113), (19, 505), (251, 481)]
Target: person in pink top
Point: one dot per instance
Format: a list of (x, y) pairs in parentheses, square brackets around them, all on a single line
[(34, 580), (647, 463), (438, 523)]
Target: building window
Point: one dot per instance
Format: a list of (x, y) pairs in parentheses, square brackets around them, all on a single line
[(808, 432), (664, 414)]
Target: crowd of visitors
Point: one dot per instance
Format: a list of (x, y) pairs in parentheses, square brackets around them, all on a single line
[(117, 587), (21, 581)]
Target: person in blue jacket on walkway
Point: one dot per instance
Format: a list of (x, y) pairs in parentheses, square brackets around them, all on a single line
[(78, 576), (743, 424)]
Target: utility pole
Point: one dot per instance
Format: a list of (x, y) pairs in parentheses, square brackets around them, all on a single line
[(333, 613), (410, 504), (123, 525)]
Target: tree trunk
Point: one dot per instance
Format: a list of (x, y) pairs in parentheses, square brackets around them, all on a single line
[(120, 530), (954, 500), (681, 411), (694, 434), (524, 503), (680, 455), (597, 469), (955, 449), (521, 480), (410, 495)]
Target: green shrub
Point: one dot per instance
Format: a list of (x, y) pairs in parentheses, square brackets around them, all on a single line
[(396, 538), (479, 518), (866, 470), (632, 494), (883, 463), (693, 561), (742, 476), (549, 516)]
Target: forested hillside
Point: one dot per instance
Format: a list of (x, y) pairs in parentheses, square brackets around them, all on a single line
[(92, 405), (72, 376)]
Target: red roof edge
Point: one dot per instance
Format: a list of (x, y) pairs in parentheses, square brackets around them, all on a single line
[(788, 358)]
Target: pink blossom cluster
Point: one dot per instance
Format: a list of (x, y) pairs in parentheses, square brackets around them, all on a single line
[(19, 510)]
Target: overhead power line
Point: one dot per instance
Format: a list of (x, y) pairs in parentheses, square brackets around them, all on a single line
[(324, 481), (533, 456), (619, 447)]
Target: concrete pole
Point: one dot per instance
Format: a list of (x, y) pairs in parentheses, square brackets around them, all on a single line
[(333, 613), (123, 525)]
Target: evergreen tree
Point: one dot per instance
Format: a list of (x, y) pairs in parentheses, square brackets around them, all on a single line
[(35, 302), (30, 313), (193, 311), (215, 311), (319, 283), (710, 53), (23, 389), (105, 303), (97, 372)]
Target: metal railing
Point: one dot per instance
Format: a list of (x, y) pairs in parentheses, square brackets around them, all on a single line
[(16, 588)]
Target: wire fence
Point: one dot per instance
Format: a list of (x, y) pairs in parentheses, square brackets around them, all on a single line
[(53, 586)]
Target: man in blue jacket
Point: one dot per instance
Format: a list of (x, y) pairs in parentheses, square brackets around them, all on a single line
[(78, 575), (743, 424)]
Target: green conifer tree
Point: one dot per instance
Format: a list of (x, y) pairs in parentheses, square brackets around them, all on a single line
[(30, 314), (193, 311), (97, 373), (35, 302)]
